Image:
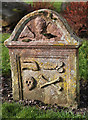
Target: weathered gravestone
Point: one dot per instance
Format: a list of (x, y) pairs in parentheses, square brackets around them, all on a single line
[(44, 59)]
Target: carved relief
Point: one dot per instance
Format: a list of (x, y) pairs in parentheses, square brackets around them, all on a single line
[(41, 29), (49, 83), (31, 65), (53, 83), (53, 66), (27, 33), (31, 83), (35, 66), (52, 28), (49, 66), (40, 25)]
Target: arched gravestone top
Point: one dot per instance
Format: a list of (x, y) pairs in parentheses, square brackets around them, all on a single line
[(43, 28)]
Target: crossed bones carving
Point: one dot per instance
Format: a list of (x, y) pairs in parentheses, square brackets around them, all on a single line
[(49, 83), (58, 88)]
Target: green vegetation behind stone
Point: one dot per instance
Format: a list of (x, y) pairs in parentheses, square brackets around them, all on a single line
[(5, 56), (83, 60)]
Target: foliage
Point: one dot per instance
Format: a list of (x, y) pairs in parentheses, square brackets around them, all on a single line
[(5, 56), (15, 110), (45, 5), (41, 5), (76, 15), (57, 6), (83, 60)]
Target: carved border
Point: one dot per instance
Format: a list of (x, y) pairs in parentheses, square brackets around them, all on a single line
[(19, 77)]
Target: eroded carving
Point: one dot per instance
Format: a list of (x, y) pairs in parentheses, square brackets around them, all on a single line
[(35, 66), (31, 83), (58, 88), (52, 66), (52, 17), (41, 28), (61, 70), (49, 66), (27, 33), (31, 65), (49, 83), (40, 25)]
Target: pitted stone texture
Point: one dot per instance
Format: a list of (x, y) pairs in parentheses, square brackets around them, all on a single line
[(44, 59)]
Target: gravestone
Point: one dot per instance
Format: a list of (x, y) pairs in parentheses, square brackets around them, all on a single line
[(44, 59)]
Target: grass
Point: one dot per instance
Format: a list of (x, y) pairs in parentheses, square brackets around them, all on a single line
[(15, 110), (5, 56), (83, 60)]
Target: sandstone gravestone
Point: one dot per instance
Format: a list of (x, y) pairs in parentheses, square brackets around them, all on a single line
[(44, 59)]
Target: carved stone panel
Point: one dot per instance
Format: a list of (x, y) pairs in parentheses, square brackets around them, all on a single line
[(46, 78)]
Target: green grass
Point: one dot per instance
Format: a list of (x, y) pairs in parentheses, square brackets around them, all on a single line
[(15, 110), (83, 60), (5, 56)]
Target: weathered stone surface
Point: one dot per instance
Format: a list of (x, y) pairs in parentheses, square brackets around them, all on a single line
[(44, 59)]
